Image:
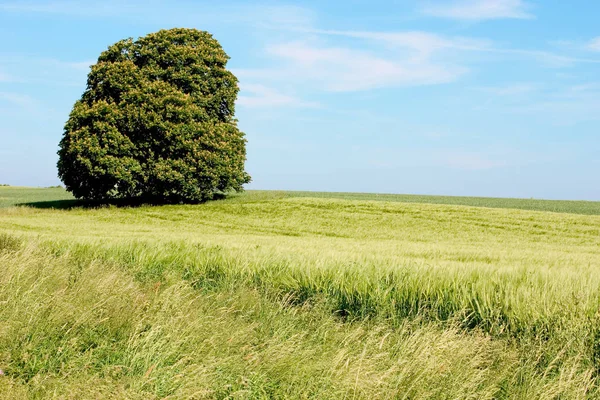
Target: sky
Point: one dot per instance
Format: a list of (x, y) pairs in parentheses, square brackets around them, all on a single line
[(455, 97)]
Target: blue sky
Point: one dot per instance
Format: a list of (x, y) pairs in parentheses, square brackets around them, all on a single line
[(455, 97)]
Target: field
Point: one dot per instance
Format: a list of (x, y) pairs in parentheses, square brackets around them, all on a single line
[(299, 295), (58, 198)]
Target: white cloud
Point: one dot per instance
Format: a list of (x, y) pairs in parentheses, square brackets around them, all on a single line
[(46, 71), (281, 16), (82, 66), (17, 99), (563, 106), (510, 90), (5, 77), (565, 112), (76, 8), (594, 44), (547, 58), (471, 161), (422, 42), (345, 69), (165, 12), (584, 88), (258, 96), (334, 68), (388, 59), (478, 10), (425, 44)]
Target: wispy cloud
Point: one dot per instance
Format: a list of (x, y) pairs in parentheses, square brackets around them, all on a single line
[(566, 111), (81, 66), (578, 46), (370, 60), (347, 69), (547, 58), (478, 10), (59, 7), (17, 99), (423, 42), (472, 160), (426, 44), (475, 158), (259, 96), (594, 44), (514, 89), (5, 77), (37, 70), (563, 106), (393, 59), (181, 13), (583, 88)]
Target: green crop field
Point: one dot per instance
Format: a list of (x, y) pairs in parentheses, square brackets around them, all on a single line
[(59, 198), (299, 295)]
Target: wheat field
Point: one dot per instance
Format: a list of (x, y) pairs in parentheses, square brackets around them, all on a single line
[(299, 295)]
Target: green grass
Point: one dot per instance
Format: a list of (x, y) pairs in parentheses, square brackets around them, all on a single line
[(281, 295), (561, 206), (15, 195), (83, 328), (59, 198)]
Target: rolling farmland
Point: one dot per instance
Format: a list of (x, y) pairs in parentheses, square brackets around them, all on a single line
[(299, 295)]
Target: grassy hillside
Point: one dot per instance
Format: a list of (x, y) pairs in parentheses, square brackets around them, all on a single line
[(14, 195), (80, 327), (562, 206), (279, 295), (59, 198)]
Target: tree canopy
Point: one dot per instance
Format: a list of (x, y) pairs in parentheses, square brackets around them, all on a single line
[(156, 121)]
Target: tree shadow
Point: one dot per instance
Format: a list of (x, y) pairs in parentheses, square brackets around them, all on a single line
[(120, 203), (54, 204)]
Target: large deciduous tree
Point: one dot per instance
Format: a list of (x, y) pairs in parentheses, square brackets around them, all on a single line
[(156, 121)]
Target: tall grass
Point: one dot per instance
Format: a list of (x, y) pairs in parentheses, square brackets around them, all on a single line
[(522, 304), (78, 323), (337, 299)]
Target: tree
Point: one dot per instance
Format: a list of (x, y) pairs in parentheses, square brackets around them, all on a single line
[(156, 122)]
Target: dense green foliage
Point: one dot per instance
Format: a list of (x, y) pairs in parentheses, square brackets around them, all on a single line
[(156, 121)]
